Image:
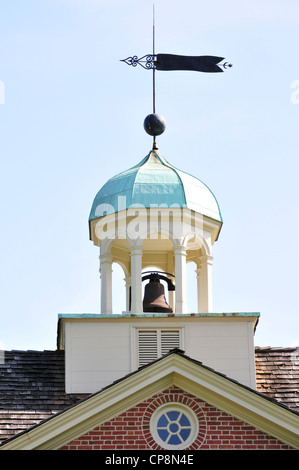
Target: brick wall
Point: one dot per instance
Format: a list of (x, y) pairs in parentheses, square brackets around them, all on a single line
[(217, 430)]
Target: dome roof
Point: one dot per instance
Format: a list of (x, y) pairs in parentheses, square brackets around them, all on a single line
[(155, 182)]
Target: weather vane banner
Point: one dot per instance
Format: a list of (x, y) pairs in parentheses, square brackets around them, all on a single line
[(154, 124), (205, 63)]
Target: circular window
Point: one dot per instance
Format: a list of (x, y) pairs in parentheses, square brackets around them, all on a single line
[(174, 426)]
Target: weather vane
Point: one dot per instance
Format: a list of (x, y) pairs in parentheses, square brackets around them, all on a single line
[(154, 124)]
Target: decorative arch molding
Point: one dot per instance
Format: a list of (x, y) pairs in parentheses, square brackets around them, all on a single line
[(200, 242), (174, 397)]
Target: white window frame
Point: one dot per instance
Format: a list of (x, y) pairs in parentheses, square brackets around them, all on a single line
[(180, 408), (135, 342)]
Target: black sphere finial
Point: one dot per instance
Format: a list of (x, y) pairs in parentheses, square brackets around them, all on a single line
[(154, 124)]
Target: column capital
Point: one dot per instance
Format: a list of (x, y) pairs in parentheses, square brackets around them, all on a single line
[(206, 259), (180, 250), (105, 258), (136, 249), (127, 280)]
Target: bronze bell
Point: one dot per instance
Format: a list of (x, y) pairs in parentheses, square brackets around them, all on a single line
[(154, 297)]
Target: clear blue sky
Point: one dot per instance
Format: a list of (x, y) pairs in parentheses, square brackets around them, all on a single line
[(72, 117)]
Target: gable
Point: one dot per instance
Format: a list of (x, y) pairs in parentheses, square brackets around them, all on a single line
[(173, 370), (138, 428)]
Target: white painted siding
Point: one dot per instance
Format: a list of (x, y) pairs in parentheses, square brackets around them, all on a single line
[(96, 355), (99, 352)]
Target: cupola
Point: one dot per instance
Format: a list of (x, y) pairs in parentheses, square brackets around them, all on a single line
[(154, 214)]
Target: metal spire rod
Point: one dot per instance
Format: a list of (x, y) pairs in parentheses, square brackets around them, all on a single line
[(154, 75)]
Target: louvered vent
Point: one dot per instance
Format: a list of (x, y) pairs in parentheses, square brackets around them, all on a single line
[(153, 344), (147, 346), (170, 339)]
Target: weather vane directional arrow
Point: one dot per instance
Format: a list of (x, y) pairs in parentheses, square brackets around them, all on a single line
[(205, 63)]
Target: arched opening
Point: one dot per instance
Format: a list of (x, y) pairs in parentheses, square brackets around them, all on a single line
[(118, 289), (191, 287)]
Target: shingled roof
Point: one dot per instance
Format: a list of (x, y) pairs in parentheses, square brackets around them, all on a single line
[(277, 374), (31, 389), (32, 385)]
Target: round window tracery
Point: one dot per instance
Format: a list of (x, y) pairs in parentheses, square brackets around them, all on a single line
[(174, 426)]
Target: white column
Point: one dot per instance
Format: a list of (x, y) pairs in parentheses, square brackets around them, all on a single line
[(205, 284), (198, 289), (170, 269), (180, 279), (136, 281), (106, 283)]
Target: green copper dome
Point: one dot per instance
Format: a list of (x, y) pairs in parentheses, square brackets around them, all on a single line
[(151, 183)]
